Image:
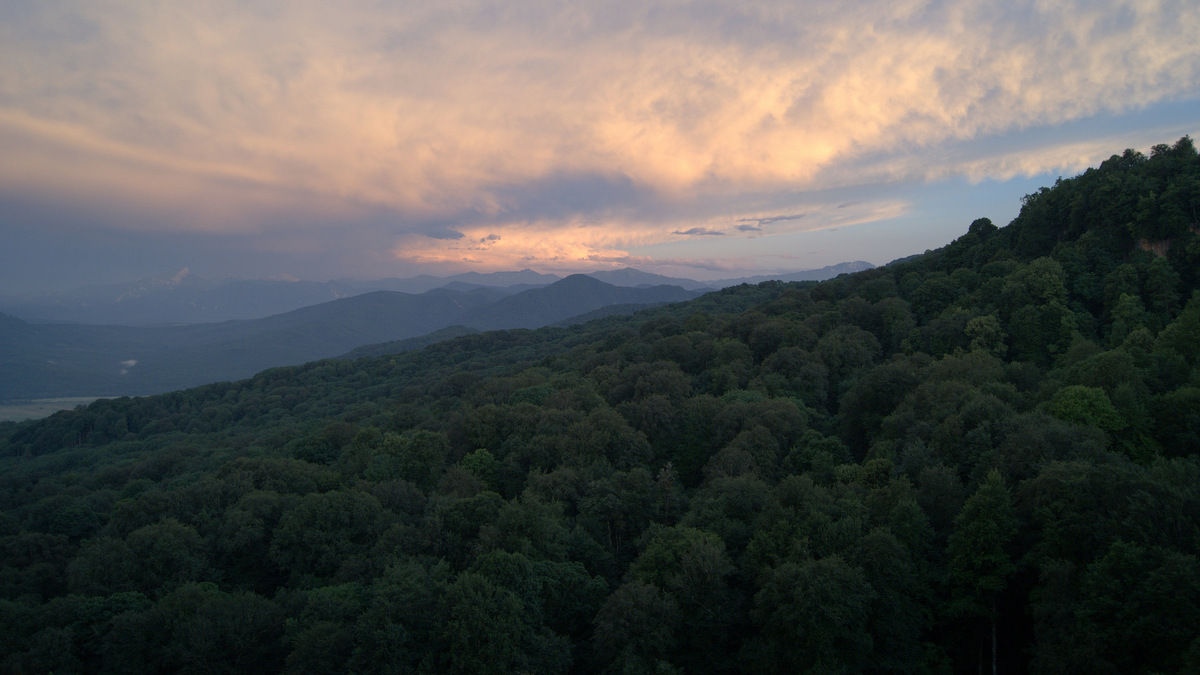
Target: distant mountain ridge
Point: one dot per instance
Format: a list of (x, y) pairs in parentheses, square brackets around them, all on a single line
[(807, 275), (49, 360), (629, 276), (576, 298), (183, 298), (573, 295)]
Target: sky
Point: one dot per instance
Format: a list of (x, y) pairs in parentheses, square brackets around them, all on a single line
[(710, 139)]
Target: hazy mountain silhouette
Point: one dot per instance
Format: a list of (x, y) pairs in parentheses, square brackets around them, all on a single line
[(573, 295), (634, 277), (574, 299), (47, 360), (183, 298), (806, 275)]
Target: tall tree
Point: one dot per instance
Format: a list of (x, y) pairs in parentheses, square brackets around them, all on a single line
[(980, 564)]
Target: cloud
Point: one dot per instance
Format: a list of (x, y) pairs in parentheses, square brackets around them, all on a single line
[(699, 232), (582, 244), (567, 194), (444, 234), (766, 220), (569, 130)]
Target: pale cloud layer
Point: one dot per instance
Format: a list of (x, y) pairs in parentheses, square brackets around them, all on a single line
[(552, 133)]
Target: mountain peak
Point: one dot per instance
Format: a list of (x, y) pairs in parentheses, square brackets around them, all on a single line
[(580, 281)]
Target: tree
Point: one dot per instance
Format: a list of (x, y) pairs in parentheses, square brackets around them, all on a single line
[(323, 532), (488, 630), (168, 554), (1085, 405), (690, 566), (899, 612), (1139, 608), (980, 564), (813, 618), (102, 566), (635, 628), (985, 334)]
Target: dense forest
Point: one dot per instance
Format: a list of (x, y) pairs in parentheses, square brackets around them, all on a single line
[(991, 451)]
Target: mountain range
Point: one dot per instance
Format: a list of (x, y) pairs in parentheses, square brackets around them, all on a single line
[(41, 360), (183, 297)]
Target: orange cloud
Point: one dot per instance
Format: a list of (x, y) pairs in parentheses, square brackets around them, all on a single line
[(584, 245)]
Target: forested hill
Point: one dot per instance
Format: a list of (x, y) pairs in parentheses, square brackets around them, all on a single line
[(877, 473)]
